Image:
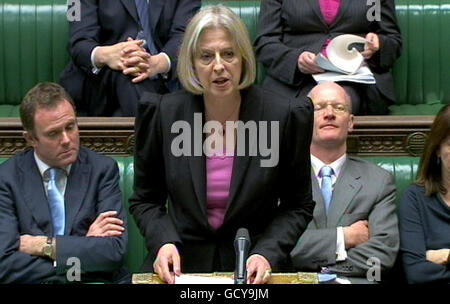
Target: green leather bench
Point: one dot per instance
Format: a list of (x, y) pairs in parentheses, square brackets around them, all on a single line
[(404, 170), (35, 34)]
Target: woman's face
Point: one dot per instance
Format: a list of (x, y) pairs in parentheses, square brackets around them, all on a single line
[(218, 63), (444, 153)]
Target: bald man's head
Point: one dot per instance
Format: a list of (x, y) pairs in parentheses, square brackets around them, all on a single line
[(332, 119), (330, 91)]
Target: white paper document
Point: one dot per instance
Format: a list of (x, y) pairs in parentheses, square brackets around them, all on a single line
[(364, 75), (197, 279)]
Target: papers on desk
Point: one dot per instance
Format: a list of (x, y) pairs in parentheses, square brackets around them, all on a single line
[(197, 279), (363, 75)]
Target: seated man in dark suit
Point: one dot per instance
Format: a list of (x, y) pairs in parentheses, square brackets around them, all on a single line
[(61, 212), (355, 224), (111, 65)]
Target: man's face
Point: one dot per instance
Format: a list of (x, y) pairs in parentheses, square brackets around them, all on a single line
[(56, 139), (332, 118)]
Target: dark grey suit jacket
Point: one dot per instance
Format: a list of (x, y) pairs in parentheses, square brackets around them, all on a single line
[(363, 191), (289, 27), (92, 188), (273, 203)]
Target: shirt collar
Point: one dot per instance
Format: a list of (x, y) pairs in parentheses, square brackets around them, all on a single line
[(337, 165), (43, 166)]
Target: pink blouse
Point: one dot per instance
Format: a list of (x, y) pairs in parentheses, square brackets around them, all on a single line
[(329, 9), (218, 180)]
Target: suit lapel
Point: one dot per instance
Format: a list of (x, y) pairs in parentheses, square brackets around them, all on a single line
[(347, 186), (250, 110), (197, 164), (319, 216), (345, 4), (76, 188), (34, 193), (131, 8), (316, 8)]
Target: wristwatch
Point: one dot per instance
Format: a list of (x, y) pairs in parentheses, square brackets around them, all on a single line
[(49, 249)]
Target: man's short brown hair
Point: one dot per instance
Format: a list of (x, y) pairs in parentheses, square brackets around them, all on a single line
[(44, 95)]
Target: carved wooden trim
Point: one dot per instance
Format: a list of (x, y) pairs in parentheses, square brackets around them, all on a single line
[(372, 135), (389, 135)]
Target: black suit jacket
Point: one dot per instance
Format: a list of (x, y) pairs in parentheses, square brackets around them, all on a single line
[(92, 188), (108, 22), (254, 194), (289, 27)]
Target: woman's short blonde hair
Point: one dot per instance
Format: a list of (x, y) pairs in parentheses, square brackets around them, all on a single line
[(214, 17)]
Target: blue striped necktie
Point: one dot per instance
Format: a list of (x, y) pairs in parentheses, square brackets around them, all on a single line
[(327, 190), (143, 11), (56, 201)]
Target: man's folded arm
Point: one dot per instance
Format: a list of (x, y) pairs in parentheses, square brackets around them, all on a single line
[(98, 253), (316, 248)]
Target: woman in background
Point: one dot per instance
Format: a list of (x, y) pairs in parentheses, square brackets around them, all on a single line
[(425, 210), (291, 33)]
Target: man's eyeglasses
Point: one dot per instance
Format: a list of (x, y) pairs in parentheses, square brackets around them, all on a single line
[(338, 108)]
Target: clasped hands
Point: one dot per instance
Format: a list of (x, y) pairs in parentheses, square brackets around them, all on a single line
[(106, 224), (132, 59), (307, 61), (168, 264)]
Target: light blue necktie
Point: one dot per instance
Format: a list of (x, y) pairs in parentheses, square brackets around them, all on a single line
[(56, 201), (327, 187), (143, 11)]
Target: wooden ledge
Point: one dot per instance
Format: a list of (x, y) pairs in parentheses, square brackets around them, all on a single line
[(114, 136)]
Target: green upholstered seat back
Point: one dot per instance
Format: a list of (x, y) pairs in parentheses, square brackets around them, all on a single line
[(36, 32), (422, 73), (137, 250), (34, 35)]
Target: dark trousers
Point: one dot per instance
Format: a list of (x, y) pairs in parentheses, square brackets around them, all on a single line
[(110, 93)]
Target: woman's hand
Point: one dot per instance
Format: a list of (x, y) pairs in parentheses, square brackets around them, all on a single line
[(372, 46), (307, 63), (167, 258), (258, 269)]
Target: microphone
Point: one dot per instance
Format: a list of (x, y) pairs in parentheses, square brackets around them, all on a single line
[(241, 247)]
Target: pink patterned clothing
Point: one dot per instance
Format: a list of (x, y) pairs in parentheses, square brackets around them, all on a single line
[(329, 9), (219, 170)]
